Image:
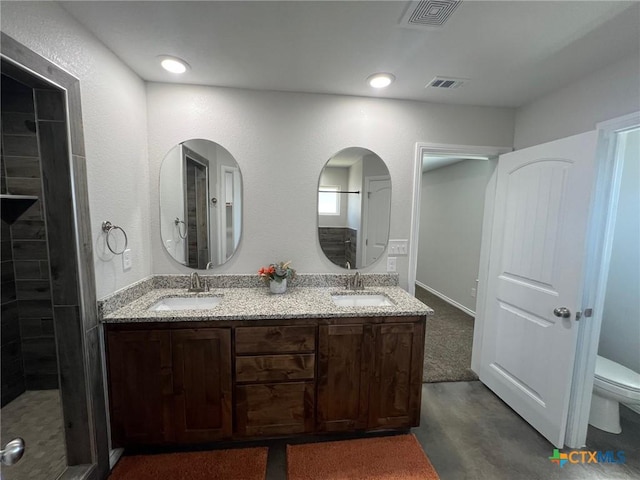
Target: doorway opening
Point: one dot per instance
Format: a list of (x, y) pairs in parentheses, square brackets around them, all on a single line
[(613, 229), (620, 325), (453, 183), (30, 387)]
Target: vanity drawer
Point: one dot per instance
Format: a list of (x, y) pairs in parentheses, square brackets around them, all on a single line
[(275, 409), (264, 368), (282, 339)]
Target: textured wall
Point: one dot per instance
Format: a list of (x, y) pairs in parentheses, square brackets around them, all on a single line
[(114, 115), (608, 93), (282, 141)]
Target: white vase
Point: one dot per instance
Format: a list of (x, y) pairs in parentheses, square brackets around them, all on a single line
[(278, 287)]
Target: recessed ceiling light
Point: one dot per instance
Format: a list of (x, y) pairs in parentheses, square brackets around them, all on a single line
[(380, 80), (173, 64)]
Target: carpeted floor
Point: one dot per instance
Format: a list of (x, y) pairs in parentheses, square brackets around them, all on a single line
[(380, 458), (448, 341)]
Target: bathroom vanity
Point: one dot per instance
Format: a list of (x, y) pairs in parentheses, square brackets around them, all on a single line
[(262, 365)]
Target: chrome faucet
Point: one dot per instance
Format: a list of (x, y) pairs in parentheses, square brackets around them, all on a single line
[(195, 285), (209, 265), (356, 282)]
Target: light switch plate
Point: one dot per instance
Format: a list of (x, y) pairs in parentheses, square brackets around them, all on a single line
[(126, 259), (398, 247)]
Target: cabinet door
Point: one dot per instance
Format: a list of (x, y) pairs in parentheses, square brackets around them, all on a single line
[(275, 409), (344, 353), (396, 385), (140, 386), (202, 384)]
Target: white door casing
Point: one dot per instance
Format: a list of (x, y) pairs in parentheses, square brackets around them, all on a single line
[(536, 265)]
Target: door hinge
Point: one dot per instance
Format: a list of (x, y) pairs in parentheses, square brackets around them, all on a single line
[(588, 312)]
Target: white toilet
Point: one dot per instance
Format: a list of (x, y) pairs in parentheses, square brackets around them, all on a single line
[(613, 384)]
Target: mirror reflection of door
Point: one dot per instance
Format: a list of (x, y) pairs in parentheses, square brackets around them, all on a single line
[(196, 191), (200, 204), (375, 222)]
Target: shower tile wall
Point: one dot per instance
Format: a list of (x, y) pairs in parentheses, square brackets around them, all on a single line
[(339, 244), (11, 348), (22, 176)]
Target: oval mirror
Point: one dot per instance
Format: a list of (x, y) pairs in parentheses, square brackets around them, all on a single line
[(354, 208), (200, 204)]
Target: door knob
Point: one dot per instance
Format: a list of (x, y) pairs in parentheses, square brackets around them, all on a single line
[(562, 312)]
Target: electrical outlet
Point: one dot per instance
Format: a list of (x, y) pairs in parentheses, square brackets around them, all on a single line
[(473, 293), (391, 264), (126, 259)]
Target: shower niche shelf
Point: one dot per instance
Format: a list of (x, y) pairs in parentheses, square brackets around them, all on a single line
[(15, 205)]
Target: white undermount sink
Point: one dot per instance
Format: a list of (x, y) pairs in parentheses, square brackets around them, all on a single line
[(185, 303), (362, 300)]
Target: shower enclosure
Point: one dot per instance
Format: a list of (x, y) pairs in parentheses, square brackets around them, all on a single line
[(52, 390)]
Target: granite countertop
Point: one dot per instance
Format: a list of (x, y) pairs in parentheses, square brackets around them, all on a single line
[(260, 303)]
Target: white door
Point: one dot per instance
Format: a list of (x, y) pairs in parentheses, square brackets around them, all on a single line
[(535, 268), (377, 217)]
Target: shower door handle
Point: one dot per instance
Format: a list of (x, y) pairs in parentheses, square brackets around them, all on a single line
[(12, 451)]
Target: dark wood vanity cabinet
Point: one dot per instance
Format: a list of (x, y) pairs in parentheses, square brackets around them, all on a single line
[(140, 386), (396, 380), (172, 385), (275, 380), (369, 376), (344, 366), (169, 386)]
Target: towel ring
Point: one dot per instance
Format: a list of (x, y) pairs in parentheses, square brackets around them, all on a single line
[(177, 221), (108, 227)]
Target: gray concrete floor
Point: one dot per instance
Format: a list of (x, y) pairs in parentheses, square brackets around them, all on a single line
[(469, 433)]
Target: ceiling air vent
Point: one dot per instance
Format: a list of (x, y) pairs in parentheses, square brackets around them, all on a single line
[(429, 13), (447, 83)]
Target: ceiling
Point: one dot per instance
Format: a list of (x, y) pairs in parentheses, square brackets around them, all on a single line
[(510, 51)]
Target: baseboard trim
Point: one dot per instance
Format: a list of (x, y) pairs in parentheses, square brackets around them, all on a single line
[(451, 302)]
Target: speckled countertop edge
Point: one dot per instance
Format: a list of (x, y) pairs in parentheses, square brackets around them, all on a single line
[(130, 293), (261, 304)]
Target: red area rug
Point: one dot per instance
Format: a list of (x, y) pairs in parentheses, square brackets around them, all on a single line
[(382, 458), (236, 464)]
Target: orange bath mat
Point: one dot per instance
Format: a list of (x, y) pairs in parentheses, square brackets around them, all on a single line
[(382, 458), (236, 464)]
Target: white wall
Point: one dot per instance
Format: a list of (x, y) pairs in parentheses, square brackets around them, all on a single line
[(451, 213), (620, 333), (608, 93), (115, 133), (282, 141)]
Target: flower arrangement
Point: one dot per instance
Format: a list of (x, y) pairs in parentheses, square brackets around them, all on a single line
[(277, 272)]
